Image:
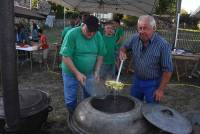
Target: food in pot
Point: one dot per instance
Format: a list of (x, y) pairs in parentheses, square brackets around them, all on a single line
[(114, 85)]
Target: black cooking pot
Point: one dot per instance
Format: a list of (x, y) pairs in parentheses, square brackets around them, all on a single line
[(34, 109), (108, 115)]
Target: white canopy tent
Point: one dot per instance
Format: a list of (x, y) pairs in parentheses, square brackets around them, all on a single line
[(128, 7)]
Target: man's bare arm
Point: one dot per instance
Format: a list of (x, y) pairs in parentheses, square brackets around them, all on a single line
[(163, 84), (80, 77), (98, 66), (121, 39)]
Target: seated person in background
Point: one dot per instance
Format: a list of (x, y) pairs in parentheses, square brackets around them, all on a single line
[(107, 70), (43, 46)]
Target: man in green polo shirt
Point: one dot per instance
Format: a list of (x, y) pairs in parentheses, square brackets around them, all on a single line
[(82, 50)]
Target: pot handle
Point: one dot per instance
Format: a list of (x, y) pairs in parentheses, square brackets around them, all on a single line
[(167, 112), (50, 108)]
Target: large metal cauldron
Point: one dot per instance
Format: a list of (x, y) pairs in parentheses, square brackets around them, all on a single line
[(34, 109), (109, 115)]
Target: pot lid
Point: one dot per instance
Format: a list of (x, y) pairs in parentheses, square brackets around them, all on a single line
[(31, 102), (166, 119)]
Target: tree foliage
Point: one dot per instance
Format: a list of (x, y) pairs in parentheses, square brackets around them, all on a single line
[(183, 12), (162, 7), (34, 3), (117, 16), (188, 22), (71, 13), (166, 7), (59, 10), (130, 21)]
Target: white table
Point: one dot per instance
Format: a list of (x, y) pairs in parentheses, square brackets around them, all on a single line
[(29, 49), (187, 59)]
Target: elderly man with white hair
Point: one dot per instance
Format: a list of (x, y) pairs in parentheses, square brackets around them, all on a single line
[(152, 61)]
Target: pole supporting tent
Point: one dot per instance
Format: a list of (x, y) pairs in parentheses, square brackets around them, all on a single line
[(178, 10)]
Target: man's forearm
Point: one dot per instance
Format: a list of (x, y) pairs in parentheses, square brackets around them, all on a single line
[(70, 64), (165, 80)]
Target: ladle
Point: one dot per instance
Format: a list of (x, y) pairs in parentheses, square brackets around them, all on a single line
[(117, 80), (116, 84), (120, 69)]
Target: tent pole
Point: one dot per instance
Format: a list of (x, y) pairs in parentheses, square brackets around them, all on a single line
[(177, 27), (178, 9), (30, 4)]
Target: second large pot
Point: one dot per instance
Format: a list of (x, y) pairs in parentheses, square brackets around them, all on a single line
[(34, 109)]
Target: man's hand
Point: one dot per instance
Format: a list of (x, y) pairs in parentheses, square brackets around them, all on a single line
[(81, 78), (159, 94), (96, 75), (122, 54)]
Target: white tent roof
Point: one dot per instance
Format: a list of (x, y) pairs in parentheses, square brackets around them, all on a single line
[(196, 13), (129, 7)]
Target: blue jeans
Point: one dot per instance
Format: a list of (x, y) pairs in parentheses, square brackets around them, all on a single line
[(144, 89), (71, 85)]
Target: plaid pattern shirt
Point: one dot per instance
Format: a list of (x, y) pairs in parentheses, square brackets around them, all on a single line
[(151, 61)]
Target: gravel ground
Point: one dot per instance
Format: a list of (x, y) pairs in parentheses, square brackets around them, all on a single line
[(183, 98)]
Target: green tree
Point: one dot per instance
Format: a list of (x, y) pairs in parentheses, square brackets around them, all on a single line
[(59, 10), (166, 7), (130, 21), (188, 22), (183, 12), (117, 16), (71, 13), (34, 3)]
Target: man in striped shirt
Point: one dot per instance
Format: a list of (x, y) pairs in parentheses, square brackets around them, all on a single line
[(152, 61)]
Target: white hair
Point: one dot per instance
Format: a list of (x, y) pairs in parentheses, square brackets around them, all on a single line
[(149, 19)]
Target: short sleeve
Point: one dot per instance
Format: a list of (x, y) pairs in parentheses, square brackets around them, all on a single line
[(68, 45)]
